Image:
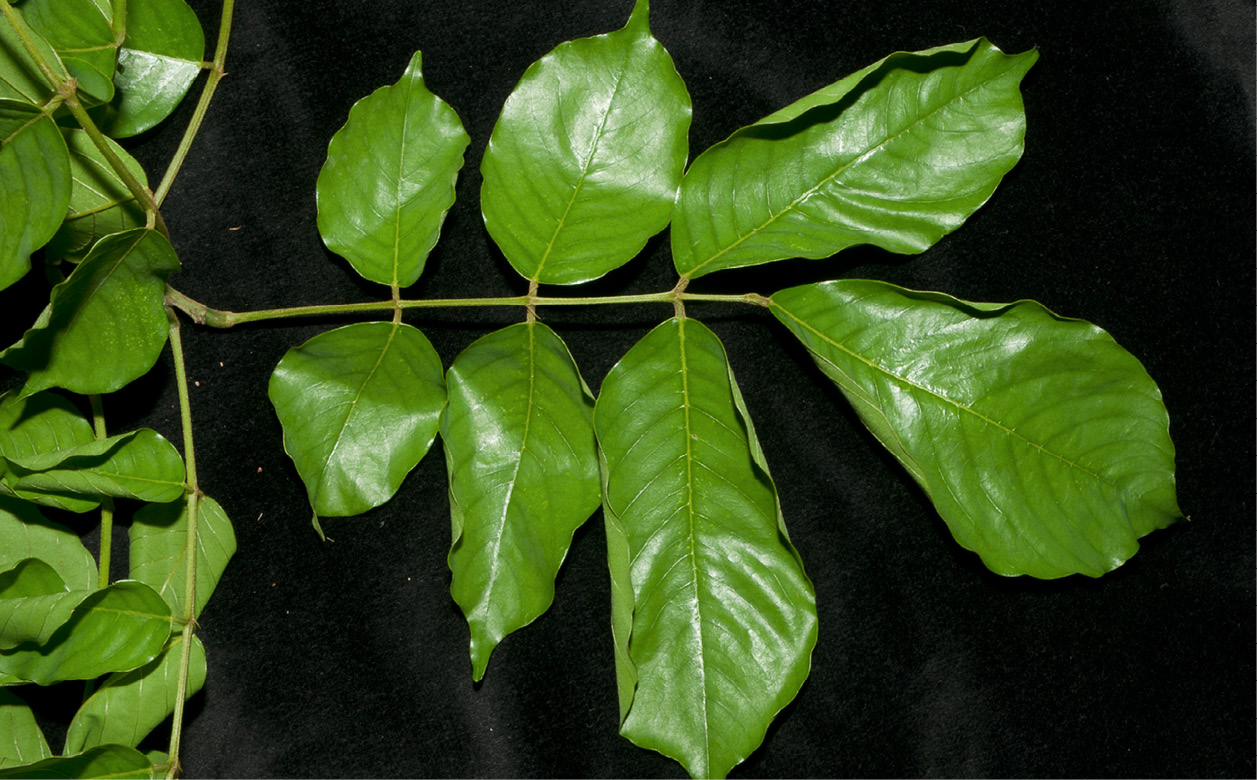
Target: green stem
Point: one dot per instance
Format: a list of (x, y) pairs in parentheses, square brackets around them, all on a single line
[(44, 66), (218, 318), (119, 22), (189, 545), (202, 106), (106, 503)]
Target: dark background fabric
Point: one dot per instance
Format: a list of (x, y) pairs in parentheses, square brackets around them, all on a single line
[(1133, 208)]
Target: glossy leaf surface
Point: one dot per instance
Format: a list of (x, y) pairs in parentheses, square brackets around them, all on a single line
[(158, 533), (108, 322), (157, 63), (100, 203), (140, 465), (128, 705), (584, 162), (389, 179), (34, 185), (519, 444), (106, 761), (26, 533), (81, 32), (724, 618), (360, 406), (897, 158), (1043, 444), (116, 629), (21, 741)]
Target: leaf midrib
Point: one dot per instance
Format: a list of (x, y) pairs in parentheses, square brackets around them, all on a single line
[(693, 553), (944, 399), (352, 406), (841, 170), (585, 164)]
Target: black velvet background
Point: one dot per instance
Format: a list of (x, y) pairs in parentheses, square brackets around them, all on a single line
[(1132, 208)]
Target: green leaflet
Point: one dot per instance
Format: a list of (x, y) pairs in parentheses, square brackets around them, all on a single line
[(40, 424), (724, 619), (34, 603), (81, 32), (25, 533), (128, 705), (157, 63), (20, 78), (119, 628), (108, 322), (34, 185), (519, 444), (389, 179), (100, 203), (360, 406), (897, 156), (1043, 444), (21, 741), (105, 761), (584, 162), (158, 533), (140, 465)]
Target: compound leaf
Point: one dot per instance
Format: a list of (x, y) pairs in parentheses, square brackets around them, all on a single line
[(723, 616), (584, 162), (34, 185), (389, 179), (897, 156), (108, 323), (117, 762), (158, 533), (128, 705), (1043, 444), (157, 63), (360, 406), (100, 203), (523, 466), (118, 628), (140, 465)]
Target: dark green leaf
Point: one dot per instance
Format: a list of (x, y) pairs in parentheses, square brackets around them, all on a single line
[(897, 157), (20, 78), (128, 705), (108, 322), (724, 619), (81, 32), (389, 179), (158, 533), (100, 203), (34, 185), (25, 533), (1043, 444), (159, 59), (360, 406), (116, 629), (24, 743), (583, 165), (519, 443), (105, 761), (140, 465)]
